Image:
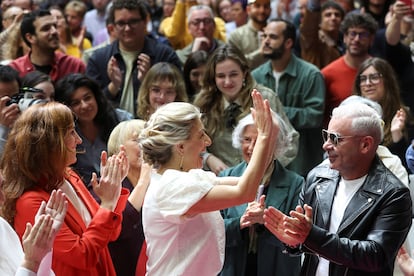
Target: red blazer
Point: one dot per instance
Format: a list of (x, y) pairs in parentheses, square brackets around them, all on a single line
[(78, 250)]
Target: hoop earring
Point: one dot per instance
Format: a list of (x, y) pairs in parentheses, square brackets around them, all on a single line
[(181, 163)]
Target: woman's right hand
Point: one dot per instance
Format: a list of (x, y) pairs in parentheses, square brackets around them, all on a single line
[(397, 125), (267, 127), (108, 189)]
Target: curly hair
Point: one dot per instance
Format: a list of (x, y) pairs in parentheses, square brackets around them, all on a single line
[(210, 99), (35, 153), (359, 20)]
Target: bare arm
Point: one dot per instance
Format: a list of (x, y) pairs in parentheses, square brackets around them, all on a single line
[(223, 196), (136, 198), (393, 32)]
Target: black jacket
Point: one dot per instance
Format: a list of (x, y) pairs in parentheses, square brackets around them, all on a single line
[(98, 62), (374, 226)]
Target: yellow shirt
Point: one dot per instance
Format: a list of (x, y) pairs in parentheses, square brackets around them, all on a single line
[(74, 51), (173, 27)]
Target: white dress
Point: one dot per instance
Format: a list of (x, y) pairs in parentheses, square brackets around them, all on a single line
[(177, 244)]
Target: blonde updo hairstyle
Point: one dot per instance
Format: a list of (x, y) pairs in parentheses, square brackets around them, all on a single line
[(168, 126)]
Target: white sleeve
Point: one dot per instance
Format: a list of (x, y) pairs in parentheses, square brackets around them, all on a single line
[(21, 271), (179, 191)]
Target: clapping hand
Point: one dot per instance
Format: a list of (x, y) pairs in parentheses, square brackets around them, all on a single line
[(398, 124), (253, 214), (291, 230), (38, 239), (113, 170), (267, 127)]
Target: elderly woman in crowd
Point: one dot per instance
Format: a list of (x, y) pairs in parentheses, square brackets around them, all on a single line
[(130, 247), (250, 248)]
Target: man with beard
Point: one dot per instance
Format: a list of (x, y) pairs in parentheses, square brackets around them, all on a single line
[(247, 37), (300, 87), (359, 34), (38, 29)]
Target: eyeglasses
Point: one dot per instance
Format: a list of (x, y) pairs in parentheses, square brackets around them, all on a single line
[(166, 93), (335, 138), (361, 35), (205, 21), (133, 23), (372, 78)]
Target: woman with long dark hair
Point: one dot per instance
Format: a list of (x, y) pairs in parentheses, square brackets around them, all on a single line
[(95, 119)]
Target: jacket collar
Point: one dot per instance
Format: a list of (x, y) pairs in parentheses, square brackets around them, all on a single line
[(372, 188)]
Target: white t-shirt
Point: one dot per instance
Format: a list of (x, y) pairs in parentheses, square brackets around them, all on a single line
[(344, 193), (177, 244)]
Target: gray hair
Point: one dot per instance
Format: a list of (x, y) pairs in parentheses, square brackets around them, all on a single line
[(365, 119), (282, 142), (169, 125), (196, 8), (359, 99)]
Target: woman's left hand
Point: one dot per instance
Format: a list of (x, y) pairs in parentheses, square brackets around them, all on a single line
[(113, 170)]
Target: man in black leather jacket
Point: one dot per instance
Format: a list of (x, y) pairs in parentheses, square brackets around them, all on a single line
[(353, 213)]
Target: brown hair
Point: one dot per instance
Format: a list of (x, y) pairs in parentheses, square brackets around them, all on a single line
[(210, 100), (35, 153), (391, 102)]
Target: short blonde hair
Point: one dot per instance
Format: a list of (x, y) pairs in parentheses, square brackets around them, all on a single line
[(122, 132)]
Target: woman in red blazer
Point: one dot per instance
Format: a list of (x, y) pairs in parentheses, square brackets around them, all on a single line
[(40, 148)]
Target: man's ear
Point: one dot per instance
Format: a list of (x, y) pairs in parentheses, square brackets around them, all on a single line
[(289, 43), (30, 37), (367, 143)]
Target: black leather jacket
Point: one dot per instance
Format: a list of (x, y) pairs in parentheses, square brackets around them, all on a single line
[(375, 223)]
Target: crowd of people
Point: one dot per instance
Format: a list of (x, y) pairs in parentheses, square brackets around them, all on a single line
[(218, 137)]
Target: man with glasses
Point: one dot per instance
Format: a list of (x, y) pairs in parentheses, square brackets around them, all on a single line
[(121, 66), (359, 34), (201, 26), (353, 213)]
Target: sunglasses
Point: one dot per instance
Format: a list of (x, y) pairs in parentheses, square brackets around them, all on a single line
[(335, 138)]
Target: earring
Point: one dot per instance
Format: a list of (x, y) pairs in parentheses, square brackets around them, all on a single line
[(244, 83), (181, 163)]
